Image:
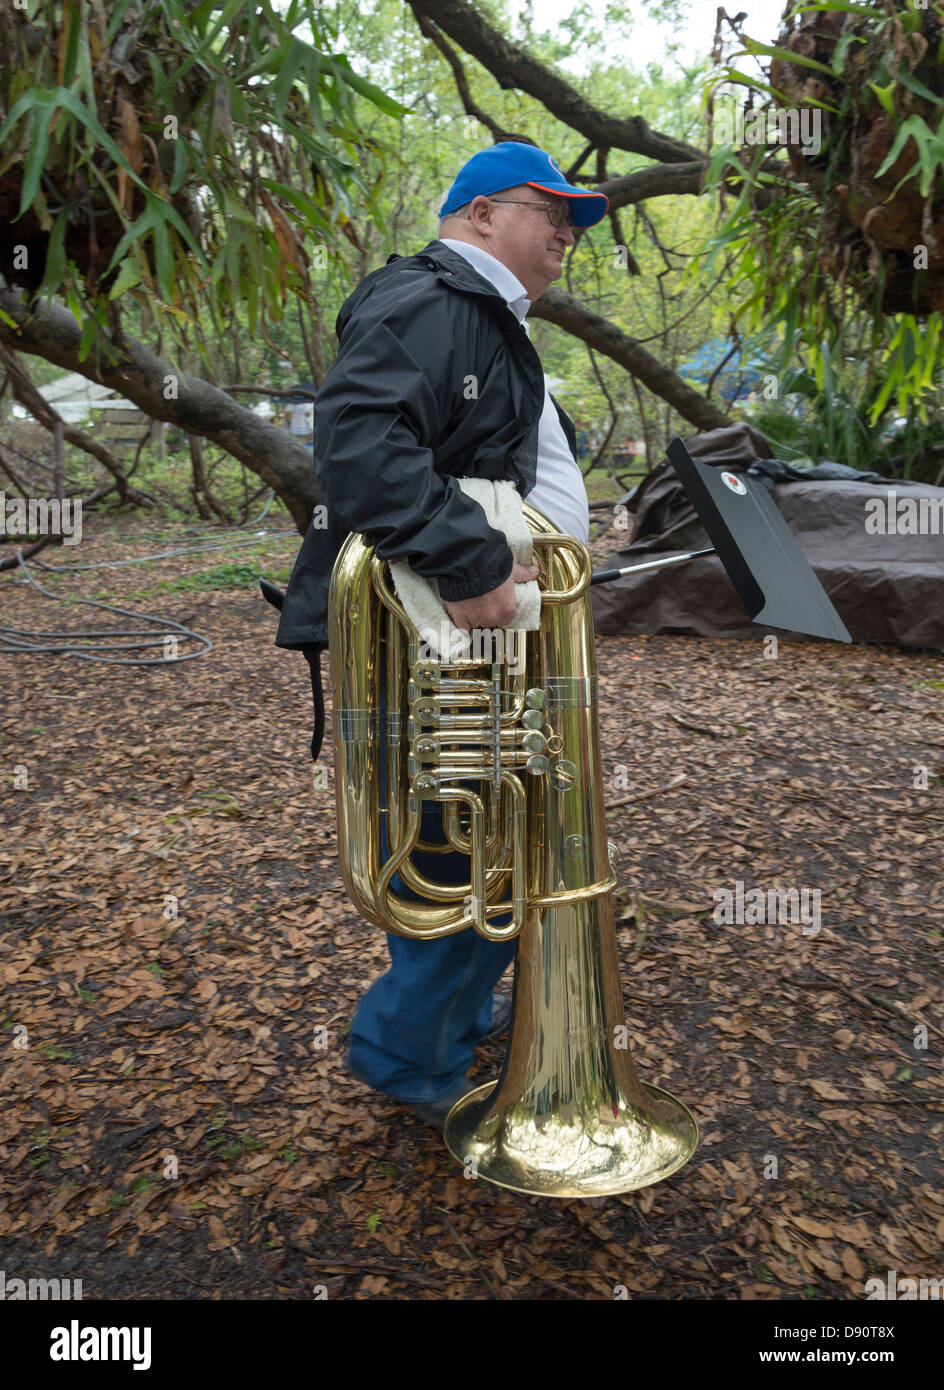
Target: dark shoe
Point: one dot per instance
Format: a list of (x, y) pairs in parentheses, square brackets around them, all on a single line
[(350, 1070), (501, 1016), (434, 1112)]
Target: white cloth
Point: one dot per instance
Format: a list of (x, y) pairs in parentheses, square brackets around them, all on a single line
[(501, 503), (559, 491)]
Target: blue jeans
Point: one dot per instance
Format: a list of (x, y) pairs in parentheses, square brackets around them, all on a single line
[(416, 1029)]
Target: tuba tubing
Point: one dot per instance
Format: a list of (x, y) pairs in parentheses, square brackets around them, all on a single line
[(512, 751)]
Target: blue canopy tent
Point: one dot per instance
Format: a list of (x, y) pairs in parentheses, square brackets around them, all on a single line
[(739, 376)]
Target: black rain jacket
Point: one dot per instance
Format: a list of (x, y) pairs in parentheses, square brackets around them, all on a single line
[(435, 379)]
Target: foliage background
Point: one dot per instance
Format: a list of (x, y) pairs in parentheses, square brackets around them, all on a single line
[(321, 139)]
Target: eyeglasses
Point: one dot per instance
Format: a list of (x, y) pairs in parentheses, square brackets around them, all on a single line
[(558, 214)]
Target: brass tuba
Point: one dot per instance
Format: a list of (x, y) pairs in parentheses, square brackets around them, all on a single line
[(568, 1116)]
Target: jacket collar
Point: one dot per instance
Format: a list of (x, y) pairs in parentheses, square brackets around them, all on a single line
[(496, 273), (454, 270)]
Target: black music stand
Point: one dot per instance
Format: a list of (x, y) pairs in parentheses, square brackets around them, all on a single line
[(772, 577)]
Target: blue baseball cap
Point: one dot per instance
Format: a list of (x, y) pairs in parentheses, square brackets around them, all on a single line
[(509, 164)]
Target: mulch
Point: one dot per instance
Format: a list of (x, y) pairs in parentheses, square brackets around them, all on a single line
[(179, 964)]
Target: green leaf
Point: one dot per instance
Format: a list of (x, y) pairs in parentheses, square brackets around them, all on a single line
[(89, 330), (368, 90), (158, 75), (181, 160), (36, 158), (911, 337), (128, 276), (55, 256), (72, 47), (914, 127), (227, 14), (58, 96), (252, 306), (306, 205), (85, 81), (201, 14), (752, 47), (721, 157), (746, 80), (282, 86), (27, 102), (313, 70), (884, 95), (162, 258), (75, 304), (839, 57), (166, 212), (136, 230), (272, 58), (847, 6), (909, 80)]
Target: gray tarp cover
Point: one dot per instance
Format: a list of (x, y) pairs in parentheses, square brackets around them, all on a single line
[(886, 588)]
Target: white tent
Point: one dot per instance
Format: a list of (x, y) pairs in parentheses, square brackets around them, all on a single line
[(75, 397)]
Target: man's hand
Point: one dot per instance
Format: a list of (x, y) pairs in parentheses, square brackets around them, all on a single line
[(494, 609)]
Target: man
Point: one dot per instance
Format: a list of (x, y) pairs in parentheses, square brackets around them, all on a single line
[(436, 379)]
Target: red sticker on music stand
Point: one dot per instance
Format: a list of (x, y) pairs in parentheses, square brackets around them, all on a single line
[(734, 483)]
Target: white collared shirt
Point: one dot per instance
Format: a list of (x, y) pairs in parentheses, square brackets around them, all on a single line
[(559, 490)]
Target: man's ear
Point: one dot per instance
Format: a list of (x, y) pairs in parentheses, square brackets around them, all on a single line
[(480, 208)]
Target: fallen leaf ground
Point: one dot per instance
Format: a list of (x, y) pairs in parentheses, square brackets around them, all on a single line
[(175, 930)]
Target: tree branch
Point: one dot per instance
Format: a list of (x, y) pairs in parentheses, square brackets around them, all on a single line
[(513, 67), (50, 331), (17, 482), (560, 308), (199, 487), (429, 31), (655, 181), (658, 180)]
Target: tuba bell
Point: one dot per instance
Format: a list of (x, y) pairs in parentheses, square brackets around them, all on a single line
[(512, 751)]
